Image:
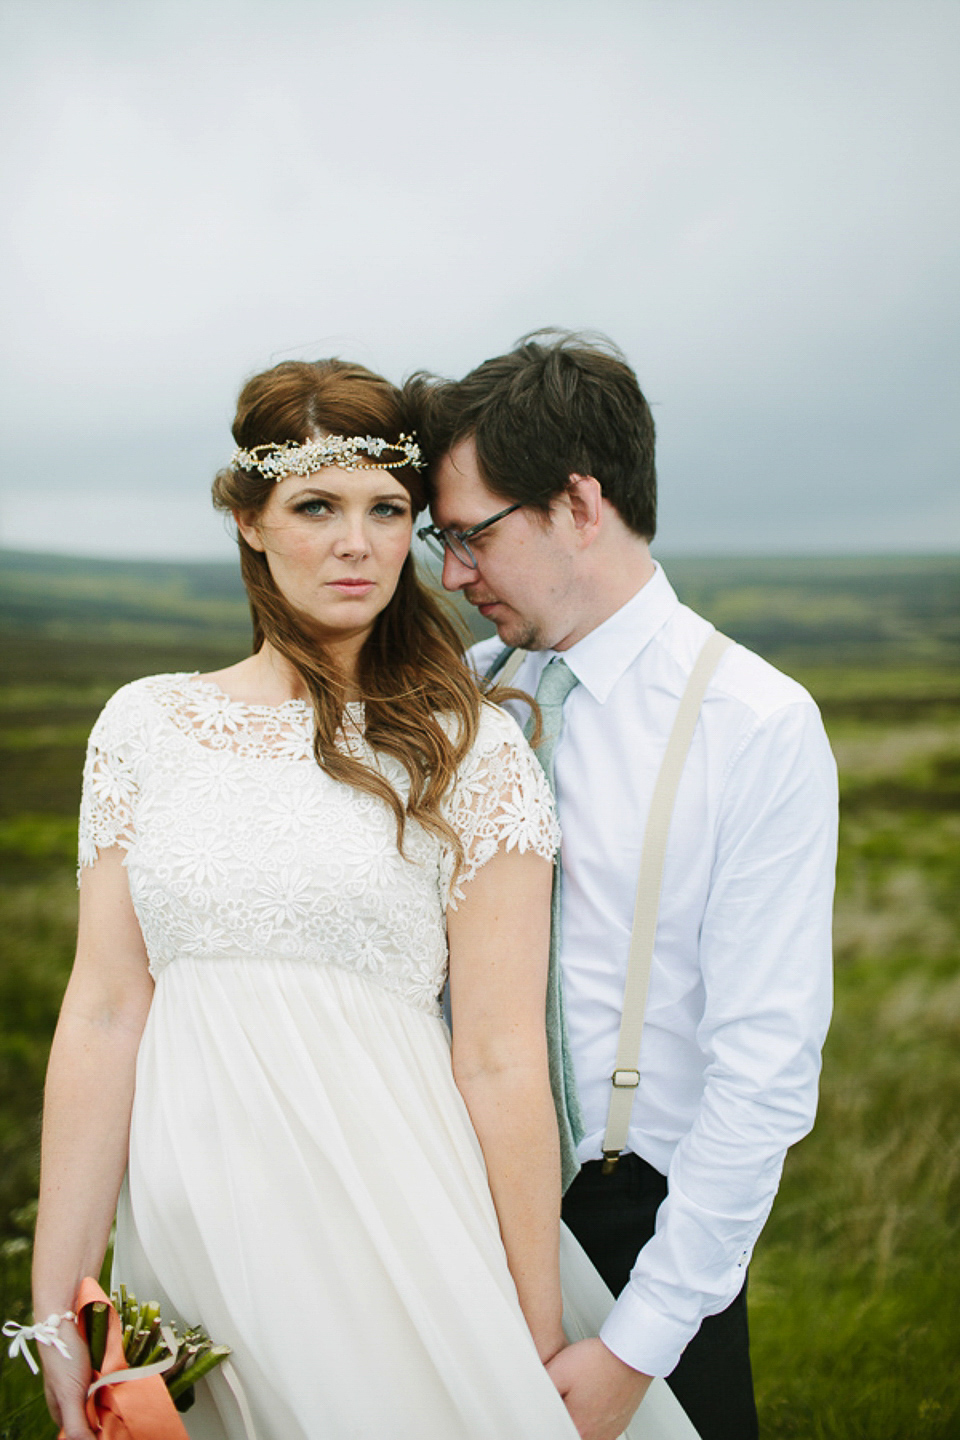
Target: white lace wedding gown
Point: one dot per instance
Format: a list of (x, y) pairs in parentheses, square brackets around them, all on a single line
[(303, 1177)]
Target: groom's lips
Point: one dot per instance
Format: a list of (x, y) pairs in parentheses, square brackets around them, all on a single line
[(483, 605)]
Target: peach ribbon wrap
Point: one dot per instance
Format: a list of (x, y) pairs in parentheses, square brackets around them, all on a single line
[(125, 1404)]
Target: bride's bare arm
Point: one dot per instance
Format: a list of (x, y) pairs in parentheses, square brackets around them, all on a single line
[(499, 940), (86, 1116)]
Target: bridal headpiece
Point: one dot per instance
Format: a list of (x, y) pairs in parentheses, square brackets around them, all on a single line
[(292, 457)]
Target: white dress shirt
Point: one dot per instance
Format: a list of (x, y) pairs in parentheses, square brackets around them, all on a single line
[(740, 988)]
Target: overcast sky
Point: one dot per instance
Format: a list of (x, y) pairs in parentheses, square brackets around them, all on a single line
[(758, 200)]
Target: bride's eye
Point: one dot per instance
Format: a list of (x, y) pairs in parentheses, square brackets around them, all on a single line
[(387, 509), (312, 507)]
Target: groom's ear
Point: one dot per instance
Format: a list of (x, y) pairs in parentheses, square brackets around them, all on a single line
[(586, 507)]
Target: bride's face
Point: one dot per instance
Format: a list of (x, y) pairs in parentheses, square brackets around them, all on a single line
[(335, 542)]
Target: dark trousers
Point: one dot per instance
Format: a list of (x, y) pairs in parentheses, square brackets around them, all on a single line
[(613, 1216)]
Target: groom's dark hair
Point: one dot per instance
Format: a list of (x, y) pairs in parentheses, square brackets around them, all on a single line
[(557, 404)]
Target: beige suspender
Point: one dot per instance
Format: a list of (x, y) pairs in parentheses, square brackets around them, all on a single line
[(511, 665), (626, 1075)]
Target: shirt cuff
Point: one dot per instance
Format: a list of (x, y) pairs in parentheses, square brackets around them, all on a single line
[(642, 1337)]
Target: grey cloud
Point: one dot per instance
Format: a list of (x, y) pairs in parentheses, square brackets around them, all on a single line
[(757, 202)]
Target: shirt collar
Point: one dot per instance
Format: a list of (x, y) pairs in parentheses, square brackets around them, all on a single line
[(602, 656)]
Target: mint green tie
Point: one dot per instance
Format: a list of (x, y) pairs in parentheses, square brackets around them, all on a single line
[(556, 682)]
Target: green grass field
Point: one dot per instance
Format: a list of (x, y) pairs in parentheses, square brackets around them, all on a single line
[(855, 1289)]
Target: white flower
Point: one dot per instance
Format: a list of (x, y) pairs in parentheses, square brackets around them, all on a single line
[(518, 822), (294, 744), (375, 861), (234, 912), (295, 815), (284, 897), (365, 946), (201, 935), (212, 712), (214, 777), (199, 860), (112, 783)]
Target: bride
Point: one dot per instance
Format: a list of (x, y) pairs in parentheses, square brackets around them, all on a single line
[(280, 864)]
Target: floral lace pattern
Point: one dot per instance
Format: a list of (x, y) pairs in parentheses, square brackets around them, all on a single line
[(238, 846)]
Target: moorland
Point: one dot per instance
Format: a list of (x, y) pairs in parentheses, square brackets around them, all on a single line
[(854, 1289)]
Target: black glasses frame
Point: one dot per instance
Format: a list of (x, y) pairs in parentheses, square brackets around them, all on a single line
[(456, 540)]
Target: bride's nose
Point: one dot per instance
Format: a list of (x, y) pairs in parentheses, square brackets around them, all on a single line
[(352, 540)]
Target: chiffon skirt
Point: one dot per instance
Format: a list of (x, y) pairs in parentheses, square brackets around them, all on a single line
[(305, 1183)]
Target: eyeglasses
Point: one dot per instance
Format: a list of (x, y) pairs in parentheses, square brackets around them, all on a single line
[(440, 540)]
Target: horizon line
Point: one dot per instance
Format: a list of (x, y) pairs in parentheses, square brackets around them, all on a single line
[(669, 555)]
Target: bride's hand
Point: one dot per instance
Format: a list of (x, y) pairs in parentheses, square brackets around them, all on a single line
[(65, 1382)]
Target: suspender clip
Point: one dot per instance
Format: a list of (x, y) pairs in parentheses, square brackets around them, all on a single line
[(625, 1079)]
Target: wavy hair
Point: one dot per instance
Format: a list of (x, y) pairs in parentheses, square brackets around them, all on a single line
[(422, 704)]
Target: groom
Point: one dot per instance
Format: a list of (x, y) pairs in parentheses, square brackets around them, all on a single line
[(545, 503)]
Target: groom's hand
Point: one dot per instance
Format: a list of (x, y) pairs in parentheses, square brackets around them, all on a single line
[(599, 1390)]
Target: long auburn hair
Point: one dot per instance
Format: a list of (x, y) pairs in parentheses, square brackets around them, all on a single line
[(411, 667)]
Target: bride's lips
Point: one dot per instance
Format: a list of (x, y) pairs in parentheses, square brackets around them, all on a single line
[(352, 587)]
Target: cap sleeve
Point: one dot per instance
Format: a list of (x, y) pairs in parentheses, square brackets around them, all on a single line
[(501, 800), (110, 775)]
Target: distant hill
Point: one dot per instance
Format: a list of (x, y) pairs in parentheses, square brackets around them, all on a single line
[(830, 610), (61, 593), (818, 610)]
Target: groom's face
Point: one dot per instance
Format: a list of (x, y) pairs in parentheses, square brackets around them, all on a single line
[(523, 582)]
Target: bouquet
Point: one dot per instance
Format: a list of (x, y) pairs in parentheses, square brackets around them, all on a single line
[(148, 1341), (129, 1342)]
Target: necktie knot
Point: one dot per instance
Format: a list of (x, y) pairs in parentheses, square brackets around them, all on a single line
[(556, 682)]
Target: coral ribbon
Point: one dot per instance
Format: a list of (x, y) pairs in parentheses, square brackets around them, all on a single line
[(141, 1411)]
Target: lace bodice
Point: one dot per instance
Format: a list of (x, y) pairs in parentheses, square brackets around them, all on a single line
[(238, 846)]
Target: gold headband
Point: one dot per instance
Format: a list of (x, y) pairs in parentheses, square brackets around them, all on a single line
[(302, 458)]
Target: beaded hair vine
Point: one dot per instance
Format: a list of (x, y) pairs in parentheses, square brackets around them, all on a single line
[(302, 458)]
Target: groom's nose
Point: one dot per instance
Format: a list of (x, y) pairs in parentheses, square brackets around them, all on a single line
[(455, 574)]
